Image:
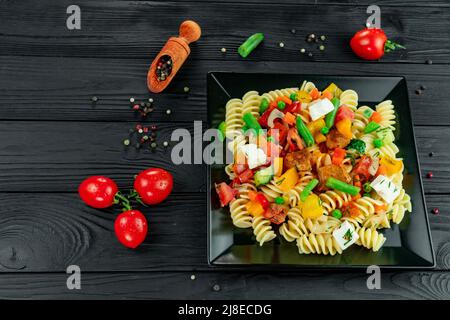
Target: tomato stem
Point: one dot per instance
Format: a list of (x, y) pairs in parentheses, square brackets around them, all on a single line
[(391, 46), (119, 198)]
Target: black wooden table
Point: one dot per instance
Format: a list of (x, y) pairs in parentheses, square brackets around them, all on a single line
[(52, 137)]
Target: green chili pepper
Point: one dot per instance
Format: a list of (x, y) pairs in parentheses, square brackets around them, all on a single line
[(367, 187), (304, 132), (251, 122), (250, 44), (309, 187), (264, 105), (342, 186), (279, 200), (293, 96), (329, 118), (336, 213), (222, 130), (371, 127), (378, 143), (281, 105)]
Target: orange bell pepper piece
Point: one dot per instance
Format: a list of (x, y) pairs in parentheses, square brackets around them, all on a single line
[(344, 127), (315, 94), (289, 118), (338, 156), (284, 99), (327, 95), (375, 117)]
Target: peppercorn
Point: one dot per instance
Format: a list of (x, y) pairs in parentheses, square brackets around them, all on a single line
[(126, 142), (310, 54), (216, 287), (153, 145), (136, 107), (418, 91), (140, 130), (430, 175), (138, 126), (186, 89), (168, 111), (131, 100), (422, 87), (153, 127), (165, 143), (223, 50), (429, 61), (150, 100), (293, 31), (142, 104), (145, 138), (94, 99), (302, 50), (431, 154), (435, 211), (281, 44), (321, 47), (322, 37), (138, 145), (312, 35)]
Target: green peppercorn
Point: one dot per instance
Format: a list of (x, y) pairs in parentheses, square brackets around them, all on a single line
[(126, 142), (186, 89), (321, 47), (322, 38), (378, 143), (281, 105), (324, 130), (336, 213), (293, 96), (279, 200)]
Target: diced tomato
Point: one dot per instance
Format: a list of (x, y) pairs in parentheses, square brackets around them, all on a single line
[(375, 117), (338, 156), (295, 107), (225, 193), (344, 112), (279, 135), (245, 176), (362, 167)]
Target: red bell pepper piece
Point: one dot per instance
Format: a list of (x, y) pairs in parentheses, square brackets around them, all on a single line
[(294, 107), (344, 112), (279, 132), (265, 116), (262, 200), (338, 156)]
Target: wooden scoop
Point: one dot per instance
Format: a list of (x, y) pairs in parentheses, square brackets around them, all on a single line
[(177, 48)]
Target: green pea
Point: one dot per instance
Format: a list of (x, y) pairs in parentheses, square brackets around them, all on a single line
[(281, 105), (336, 213), (324, 130), (264, 105), (293, 96), (279, 200), (378, 143)]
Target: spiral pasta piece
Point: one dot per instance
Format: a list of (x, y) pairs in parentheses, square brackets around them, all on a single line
[(307, 86), (229, 171), (273, 95), (386, 111), (377, 221), (400, 205), (263, 230), (349, 98), (333, 199), (250, 103), (361, 120), (244, 188), (388, 149), (271, 190), (293, 228), (367, 205), (239, 214), (370, 238), (318, 243), (233, 117)]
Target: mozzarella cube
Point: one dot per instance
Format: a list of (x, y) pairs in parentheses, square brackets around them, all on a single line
[(255, 156), (345, 235), (320, 108), (385, 188)]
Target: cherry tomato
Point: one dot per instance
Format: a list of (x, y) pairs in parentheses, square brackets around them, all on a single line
[(131, 228), (344, 112), (153, 185), (98, 191), (369, 43)]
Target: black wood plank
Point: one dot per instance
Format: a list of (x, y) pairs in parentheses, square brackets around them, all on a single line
[(130, 29), (57, 156), (48, 232), (165, 285), (34, 88)]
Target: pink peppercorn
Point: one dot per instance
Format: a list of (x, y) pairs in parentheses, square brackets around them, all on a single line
[(436, 211), (430, 175)]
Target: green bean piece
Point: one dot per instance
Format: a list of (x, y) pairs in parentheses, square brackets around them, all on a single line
[(304, 132), (342, 186), (309, 187), (329, 118), (250, 44)]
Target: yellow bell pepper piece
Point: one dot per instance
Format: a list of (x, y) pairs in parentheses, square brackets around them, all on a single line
[(254, 208), (334, 89), (319, 138), (315, 126), (392, 166), (344, 127), (311, 208), (288, 180), (303, 96), (278, 166)]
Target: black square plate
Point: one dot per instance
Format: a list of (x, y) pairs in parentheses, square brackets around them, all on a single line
[(408, 245)]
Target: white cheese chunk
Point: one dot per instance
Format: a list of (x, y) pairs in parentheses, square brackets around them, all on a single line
[(255, 156), (385, 188), (320, 108), (345, 235)]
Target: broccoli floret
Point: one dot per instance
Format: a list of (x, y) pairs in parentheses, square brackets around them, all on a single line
[(357, 145)]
